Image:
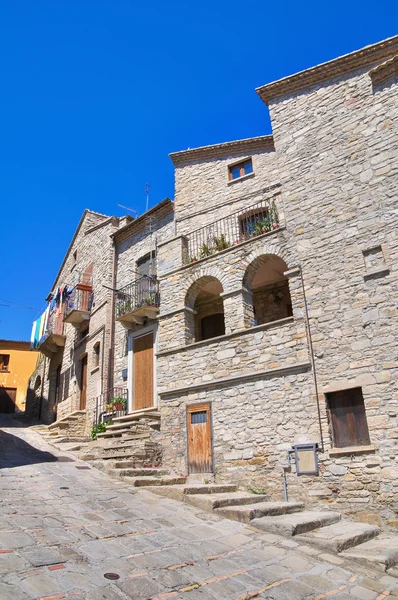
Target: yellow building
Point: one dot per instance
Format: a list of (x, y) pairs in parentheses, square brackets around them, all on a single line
[(17, 362)]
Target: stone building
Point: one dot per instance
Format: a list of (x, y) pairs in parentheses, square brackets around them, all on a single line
[(137, 304), (279, 293), (77, 328)]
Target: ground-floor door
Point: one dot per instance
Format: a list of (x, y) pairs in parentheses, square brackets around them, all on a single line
[(83, 383), (143, 371), (8, 398), (200, 454)]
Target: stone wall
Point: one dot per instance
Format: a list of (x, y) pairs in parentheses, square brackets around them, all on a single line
[(92, 244), (131, 245)]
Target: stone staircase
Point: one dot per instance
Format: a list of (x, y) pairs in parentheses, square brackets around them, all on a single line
[(323, 529), (128, 448), (72, 428)]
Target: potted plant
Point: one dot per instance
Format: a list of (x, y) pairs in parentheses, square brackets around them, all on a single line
[(221, 243), (109, 407), (119, 403)]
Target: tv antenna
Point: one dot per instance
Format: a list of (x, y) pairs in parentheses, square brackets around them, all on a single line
[(147, 190), (128, 208)]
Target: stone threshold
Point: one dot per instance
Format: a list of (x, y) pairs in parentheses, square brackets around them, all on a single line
[(266, 373), (227, 336), (336, 452)]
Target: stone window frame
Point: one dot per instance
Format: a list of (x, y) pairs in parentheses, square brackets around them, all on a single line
[(236, 163)]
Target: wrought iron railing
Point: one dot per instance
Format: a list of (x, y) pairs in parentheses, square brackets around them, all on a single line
[(111, 404), (54, 324), (81, 298), (143, 292), (236, 228)]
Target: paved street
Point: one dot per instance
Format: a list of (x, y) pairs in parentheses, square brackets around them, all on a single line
[(63, 526)]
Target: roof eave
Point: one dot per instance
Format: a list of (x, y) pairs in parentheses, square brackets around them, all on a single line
[(338, 66)]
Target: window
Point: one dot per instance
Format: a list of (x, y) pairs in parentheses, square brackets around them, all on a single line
[(240, 169), (4, 362), (96, 357), (146, 264), (348, 418), (255, 222)]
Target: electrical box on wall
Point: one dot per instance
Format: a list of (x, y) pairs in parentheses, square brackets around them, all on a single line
[(124, 374), (306, 459)]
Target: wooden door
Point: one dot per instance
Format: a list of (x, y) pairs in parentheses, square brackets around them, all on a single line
[(83, 383), (143, 390), (200, 455), (8, 397)]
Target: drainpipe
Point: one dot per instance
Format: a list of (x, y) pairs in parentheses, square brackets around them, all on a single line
[(312, 358), (42, 389), (112, 323)]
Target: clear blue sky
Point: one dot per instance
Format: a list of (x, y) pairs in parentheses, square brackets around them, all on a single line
[(96, 93)]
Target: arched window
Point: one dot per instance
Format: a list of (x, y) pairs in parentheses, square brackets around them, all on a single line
[(206, 318), (37, 384), (265, 278), (96, 355)]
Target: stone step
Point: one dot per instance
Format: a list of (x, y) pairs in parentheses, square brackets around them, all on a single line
[(112, 433), (124, 442), (181, 492), (220, 500), (296, 523), (247, 513), (145, 413), (381, 552), (341, 535), (137, 472), (154, 481), (109, 457), (132, 423)]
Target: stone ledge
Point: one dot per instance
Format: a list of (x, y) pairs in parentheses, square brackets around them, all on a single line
[(287, 370), (222, 338), (336, 452), (243, 178), (376, 272)]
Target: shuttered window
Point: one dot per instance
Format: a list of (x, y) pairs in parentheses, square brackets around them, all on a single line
[(348, 418)]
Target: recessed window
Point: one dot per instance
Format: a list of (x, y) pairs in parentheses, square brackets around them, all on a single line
[(348, 418), (240, 169), (4, 362), (146, 264), (96, 355)]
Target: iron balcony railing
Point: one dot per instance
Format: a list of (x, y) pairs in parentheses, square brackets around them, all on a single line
[(81, 299), (140, 293), (55, 325), (111, 404), (236, 228)]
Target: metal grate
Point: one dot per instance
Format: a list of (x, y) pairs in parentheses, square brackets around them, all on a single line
[(199, 417), (232, 230)]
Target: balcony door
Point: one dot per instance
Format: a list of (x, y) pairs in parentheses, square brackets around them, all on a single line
[(143, 370)]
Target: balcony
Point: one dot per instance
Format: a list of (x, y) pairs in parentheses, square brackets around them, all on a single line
[(53, 337), (78, 304), (138, 301), (233, 230)]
